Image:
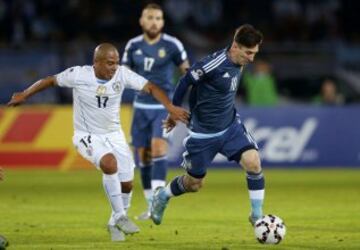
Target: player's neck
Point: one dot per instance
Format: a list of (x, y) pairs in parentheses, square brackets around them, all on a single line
[(232, 57), (152, 40)]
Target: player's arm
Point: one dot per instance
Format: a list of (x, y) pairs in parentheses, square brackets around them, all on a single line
[(176, 113), (20, 97), (180, 92)]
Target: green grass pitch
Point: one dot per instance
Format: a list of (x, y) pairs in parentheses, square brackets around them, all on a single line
[(41, 209)]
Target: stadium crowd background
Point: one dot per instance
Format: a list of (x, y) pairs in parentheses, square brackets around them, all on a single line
[(306, 42)]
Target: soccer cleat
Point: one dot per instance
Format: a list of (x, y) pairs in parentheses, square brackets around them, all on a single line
[(115, 233), (143, 216), (126, 225), (160, 200), (253, 219)]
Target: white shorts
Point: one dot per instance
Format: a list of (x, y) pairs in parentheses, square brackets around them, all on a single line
[(94, 146)]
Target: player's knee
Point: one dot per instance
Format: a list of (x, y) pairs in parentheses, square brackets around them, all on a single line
[(145, 156), (126, 187), (158, 147), (108, 164), (251, 161), (252, 165), (158, 152)]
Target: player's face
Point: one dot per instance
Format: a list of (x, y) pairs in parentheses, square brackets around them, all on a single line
[(152, 22), (106, 66), (245, 55)]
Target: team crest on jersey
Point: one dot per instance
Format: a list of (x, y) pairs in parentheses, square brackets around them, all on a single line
[(101, 90), (162, 52), (116, 87)]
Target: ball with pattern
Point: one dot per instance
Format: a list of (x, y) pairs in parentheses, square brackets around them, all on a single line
[(270, 229)]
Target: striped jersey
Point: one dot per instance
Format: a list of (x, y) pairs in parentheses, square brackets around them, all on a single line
[(214, 81)]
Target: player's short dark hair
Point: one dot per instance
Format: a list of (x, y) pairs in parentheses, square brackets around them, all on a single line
[(248, 36), (154, 6)]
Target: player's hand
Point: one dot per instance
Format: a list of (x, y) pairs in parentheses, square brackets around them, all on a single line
[(17, 99), (168, 124), (179, 114)]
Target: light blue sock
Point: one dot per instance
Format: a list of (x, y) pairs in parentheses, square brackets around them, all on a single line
[(256, 187)]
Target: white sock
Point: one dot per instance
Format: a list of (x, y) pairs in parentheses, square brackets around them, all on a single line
[(126, 197), (113, 192), (112, 220), (157, 183)]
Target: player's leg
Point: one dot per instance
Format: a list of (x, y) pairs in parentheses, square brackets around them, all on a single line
[(199, 154), (141, 140), (159, 149), (108, 164), (242, 148), (125, 175), (145, 166), (250, 161), (126, 188)]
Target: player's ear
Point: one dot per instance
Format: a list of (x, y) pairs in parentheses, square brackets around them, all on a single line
[(141, 21)]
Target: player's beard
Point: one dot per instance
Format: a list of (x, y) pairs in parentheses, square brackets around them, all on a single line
[(152, 34)]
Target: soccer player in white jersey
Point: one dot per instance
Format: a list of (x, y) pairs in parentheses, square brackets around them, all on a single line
[(98, 136)]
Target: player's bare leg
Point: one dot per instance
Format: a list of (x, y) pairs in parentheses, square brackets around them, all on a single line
[(108, 165)]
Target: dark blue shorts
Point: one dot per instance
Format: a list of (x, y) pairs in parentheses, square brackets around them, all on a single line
[(200, 152), (147, 124)]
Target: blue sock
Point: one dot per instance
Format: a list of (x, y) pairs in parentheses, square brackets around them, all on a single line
[(177, 186), (145, 173), (159, 168), (256, 187)]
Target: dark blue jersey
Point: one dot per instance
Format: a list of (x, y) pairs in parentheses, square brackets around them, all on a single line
[(155, 62), (214, 81)]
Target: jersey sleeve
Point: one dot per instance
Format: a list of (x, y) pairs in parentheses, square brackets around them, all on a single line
[(131, 79), (68, 77), (180, 54), (126, 57), (196, 73)]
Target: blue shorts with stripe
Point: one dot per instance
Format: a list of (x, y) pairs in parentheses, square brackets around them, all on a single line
[(147, 124), (201, 151)]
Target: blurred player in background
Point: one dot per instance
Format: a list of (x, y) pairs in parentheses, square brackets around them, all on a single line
[(98, 136), (1, 174), (215, 126), (152, 55)]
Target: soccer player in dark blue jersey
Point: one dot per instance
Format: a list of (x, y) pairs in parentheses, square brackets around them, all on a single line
[(215, 126), (154, 55)]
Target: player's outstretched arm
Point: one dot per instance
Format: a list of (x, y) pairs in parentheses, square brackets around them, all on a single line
[(20, 97), (176, 113)]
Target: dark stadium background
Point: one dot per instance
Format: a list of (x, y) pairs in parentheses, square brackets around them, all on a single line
[(305, 41)]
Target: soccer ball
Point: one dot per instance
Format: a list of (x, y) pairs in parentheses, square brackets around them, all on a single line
[(269, 229)]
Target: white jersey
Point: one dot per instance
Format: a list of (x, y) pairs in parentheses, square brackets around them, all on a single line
[(96, 105)]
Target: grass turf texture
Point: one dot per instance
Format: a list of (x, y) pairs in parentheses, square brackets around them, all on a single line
[(55, 210)]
